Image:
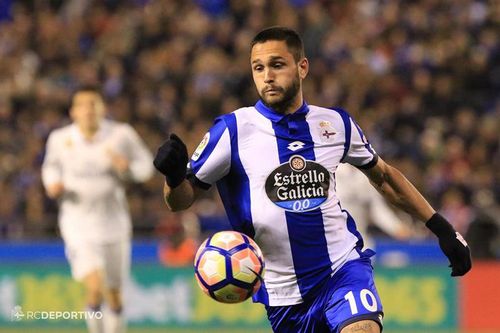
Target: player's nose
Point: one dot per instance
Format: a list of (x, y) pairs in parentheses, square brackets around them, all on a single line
[(268, 76)]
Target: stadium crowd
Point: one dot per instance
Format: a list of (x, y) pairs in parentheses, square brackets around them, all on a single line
[(421, 77)]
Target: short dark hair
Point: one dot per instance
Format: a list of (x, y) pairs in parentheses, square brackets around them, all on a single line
[(289, 36), (92, 88)]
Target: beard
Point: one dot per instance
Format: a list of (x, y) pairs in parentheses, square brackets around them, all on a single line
[(288, 95)]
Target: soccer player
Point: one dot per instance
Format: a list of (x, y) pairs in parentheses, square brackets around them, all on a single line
[(366, 205), (85, 167), (274, 166)]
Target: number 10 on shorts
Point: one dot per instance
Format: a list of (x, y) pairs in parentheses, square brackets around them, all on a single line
[(366, 297)]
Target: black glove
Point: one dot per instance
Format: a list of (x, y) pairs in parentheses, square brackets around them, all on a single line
[(452, 244), (171, 160)]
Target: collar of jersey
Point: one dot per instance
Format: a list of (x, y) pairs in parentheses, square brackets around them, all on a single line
[(101, 132), (275, 116)]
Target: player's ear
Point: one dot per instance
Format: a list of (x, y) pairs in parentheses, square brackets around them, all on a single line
[(303, 66)]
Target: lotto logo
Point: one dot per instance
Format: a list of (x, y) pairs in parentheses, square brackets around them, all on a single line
[(296, 145)]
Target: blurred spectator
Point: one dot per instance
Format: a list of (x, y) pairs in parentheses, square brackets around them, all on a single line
[(484, 232), (178, 235), (455, 209), (420, 76)]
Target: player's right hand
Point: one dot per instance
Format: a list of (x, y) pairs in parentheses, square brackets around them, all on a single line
[(452, 244), (171, 160), (54, 191)]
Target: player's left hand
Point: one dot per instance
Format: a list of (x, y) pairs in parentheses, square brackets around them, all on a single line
[(118, 162), (452, 244)]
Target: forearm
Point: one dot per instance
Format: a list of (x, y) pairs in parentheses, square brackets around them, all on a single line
[(180, 197), (141, 167), (394, 186), (141, 171)]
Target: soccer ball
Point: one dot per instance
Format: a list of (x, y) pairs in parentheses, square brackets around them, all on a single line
[(229, 267)]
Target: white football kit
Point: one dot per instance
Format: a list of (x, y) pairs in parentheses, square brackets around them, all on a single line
[(275, 175), (364, 203), (94, 220)]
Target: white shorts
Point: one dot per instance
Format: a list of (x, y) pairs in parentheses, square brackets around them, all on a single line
[(113, 259)]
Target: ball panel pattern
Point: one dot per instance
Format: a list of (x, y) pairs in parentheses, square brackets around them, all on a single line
[(231, 294), (212, 267), (226, 240), (229, 267), (244, 265)]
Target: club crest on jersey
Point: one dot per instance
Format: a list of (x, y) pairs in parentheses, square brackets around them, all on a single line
[(201, 147), (298, 185), (326, 131)]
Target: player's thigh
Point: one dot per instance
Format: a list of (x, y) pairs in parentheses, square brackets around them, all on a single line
[(84, 259), (117, 264), (353, 297), (93, 282), (300, 318), (365, 326), (285, 318)]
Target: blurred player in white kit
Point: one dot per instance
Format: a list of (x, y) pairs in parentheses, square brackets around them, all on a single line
[(85, 168), (366, 205)]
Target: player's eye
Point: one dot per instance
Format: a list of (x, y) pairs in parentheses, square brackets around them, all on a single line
[(278, 65), (258, 68)]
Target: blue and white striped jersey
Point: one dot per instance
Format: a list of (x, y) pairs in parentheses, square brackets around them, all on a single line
[(275, 175)]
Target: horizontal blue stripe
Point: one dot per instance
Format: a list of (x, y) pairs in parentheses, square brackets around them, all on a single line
[(50, 251), (417, 251), (289, 205)]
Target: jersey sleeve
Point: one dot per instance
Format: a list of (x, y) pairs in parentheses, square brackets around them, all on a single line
[(51, 167), (212, 158), (360, 152), (140, 158)]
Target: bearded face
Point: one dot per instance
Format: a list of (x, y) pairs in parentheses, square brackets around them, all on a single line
[(278, 75), (280, 98)]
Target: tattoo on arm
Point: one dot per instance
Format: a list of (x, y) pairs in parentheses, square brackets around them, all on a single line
[(360, 328)]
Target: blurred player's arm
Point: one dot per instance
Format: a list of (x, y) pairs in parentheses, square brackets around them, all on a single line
[(52, 169), (384, 217), (398, 190), (136, 164), (394, 186), (387, 180)]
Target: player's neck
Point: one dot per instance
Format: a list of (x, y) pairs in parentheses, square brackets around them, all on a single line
[(88, 133), (295, 105), (290, 107)]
